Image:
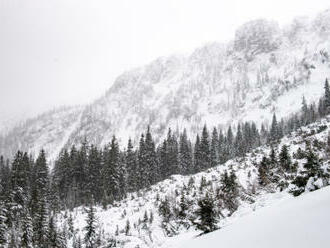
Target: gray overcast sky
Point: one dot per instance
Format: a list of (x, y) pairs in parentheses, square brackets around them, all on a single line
[(56, 52)]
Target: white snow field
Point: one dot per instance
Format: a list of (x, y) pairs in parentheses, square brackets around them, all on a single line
[(302, 222)]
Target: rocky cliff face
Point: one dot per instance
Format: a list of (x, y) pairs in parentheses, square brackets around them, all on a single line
[(264, 69)]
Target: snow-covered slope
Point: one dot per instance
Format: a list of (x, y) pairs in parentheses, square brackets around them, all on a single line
[(264, 69), (49, 131), (272, 206), (292, 222)]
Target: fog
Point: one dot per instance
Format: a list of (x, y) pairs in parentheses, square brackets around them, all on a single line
[(68, 52)]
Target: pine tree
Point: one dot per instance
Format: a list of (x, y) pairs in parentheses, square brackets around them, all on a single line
[(165, 210), (205, 151), (285, 159), (185, 154), (183, 206), (42, 175), (41, 223), (163, 161), (5, 179), (326, 95), (312, 165), (3, 226), (229, 190), (173, 152), (141, 161), (149, 171), (230, 152), (263, 172), (19, 183), (321, 108), (274, 130), (197, 156), (90, 229), (272, 158), (27, 232), (80, 173), (239, 146), (93, 176), (214, 148), (55, 240), (207, 214), (131, 165), (112, 170)]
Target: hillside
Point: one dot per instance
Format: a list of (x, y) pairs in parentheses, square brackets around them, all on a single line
[(264, 69), (298, 222), (247, 210)]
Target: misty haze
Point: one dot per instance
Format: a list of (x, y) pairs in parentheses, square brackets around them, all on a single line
[(171, 124)]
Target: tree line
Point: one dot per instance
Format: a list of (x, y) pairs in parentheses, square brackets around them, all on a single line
[(31, 195)]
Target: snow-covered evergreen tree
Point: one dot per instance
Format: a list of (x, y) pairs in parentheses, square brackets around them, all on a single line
[(90, 239)]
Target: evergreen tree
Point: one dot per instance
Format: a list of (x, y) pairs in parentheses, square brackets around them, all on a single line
[(173, 152), (312, 165), (94, 184), (19, 182), (3, 227), (326, 95), (321, 108), (80, 166), (263, 172), (214, 148), (27, 232), (229, 191), (163, 161), (41, 223), (183, 206), (285, 158), (54, 238), (205, 151), (42, 175), (230, 143), (122, 176), (112, 167), (274, 130), (90, 229), (5, 179), (165, 210), (185, 154), (131, 166), (149, 173), (197, 156), (207, 214), (239, 145), (272, 158), (141, 161), (221, 148)]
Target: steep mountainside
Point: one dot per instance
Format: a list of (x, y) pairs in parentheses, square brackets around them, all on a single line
[(265, 69), (49, 131)]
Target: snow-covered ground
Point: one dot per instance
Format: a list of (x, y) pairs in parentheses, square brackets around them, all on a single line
[(290, 222), (262, 211)]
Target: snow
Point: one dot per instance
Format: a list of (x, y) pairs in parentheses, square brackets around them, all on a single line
[(270, 214), (292, 222), (217, 84)]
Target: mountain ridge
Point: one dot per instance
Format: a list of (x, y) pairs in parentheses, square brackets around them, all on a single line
[(265, 69)]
